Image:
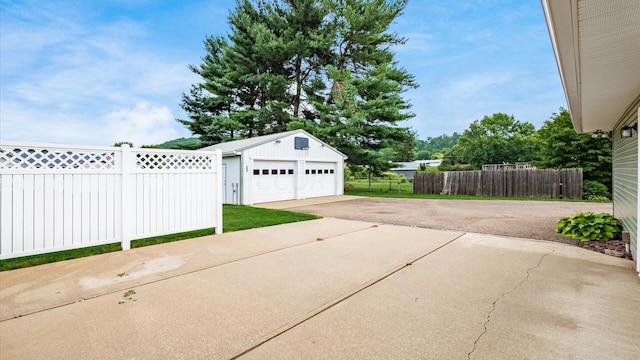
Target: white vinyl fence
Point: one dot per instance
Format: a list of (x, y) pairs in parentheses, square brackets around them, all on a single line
[(56, 198)]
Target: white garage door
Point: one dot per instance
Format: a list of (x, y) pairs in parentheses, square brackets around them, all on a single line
[(320, 179), (273, 181)]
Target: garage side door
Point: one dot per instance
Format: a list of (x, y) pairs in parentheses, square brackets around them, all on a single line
[(273, 181), (320, 179)]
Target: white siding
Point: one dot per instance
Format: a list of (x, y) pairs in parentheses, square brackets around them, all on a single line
[(318, 156), (284, 148), (231, 182), (625, 182)]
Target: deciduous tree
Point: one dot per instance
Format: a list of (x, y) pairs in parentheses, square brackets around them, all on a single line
[(562, 147), (497, 139)]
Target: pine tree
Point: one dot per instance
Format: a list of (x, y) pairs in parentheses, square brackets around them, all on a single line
[(361, 110), (209, 103), (255, 66), (244, 89), (308, 39), (322, 65)]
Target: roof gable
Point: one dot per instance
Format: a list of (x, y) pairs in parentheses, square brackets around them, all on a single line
[(237, 146)]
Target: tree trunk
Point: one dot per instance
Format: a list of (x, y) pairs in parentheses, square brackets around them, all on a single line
[(297, 100)]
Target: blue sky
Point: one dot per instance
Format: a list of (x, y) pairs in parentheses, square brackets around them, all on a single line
[(96, 72)]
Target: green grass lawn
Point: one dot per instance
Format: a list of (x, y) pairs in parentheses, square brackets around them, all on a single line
[(235, 217), (242, 217)]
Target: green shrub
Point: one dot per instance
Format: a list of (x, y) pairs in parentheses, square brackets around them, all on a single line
[(588, 226), (347, 175), (388, 175), (598, 198), (358, 172), (456, 167), (592, 189)]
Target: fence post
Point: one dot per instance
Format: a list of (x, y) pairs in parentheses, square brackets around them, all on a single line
[(218, 200), (126, 203)]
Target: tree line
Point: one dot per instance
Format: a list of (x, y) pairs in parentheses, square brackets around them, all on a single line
[(501, 138)]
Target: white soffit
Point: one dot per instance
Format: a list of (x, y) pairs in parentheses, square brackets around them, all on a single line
[(603, 80)]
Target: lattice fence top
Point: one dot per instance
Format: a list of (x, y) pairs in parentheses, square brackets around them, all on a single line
[(39, 158), (169, 161), (12, 157)]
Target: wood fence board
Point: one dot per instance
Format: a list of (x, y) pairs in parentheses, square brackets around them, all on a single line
[(543, 183)]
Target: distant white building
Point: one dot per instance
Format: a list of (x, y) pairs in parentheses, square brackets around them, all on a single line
[(283, 166), (408, 168)]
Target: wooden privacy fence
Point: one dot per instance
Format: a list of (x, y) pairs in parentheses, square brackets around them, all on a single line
[(56, 198), (546, 183)]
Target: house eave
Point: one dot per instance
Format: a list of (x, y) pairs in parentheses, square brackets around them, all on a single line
[(597, 53)]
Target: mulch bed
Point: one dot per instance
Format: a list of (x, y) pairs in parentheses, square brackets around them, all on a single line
[(601, 246)]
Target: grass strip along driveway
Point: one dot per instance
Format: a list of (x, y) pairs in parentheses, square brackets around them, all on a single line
[(235, 218), (404, 190)]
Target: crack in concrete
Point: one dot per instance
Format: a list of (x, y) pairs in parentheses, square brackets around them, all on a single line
[(495, 302)]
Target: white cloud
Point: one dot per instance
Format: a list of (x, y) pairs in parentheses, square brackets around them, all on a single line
[(143, 124), (472, 86), (65, 80), (417, 43)]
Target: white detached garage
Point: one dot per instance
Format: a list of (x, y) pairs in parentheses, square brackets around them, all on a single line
[(284, 166)]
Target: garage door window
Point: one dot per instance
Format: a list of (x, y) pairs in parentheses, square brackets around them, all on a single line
[(265, 171), (290, 171), (274, 171), (256, 171)]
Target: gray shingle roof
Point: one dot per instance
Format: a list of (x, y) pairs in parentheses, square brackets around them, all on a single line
[(230, 147)]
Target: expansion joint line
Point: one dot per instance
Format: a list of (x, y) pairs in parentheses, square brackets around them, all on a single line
[(163, 278), (495, 302), (332, 303)]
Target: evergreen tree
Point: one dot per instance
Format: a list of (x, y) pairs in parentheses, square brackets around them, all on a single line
[(359, 113), (321, 65), (244, 87), (307, 40), (255, 69), (209, 103)]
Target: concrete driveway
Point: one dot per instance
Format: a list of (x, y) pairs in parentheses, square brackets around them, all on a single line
[(327, 289)]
